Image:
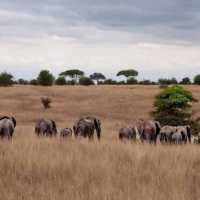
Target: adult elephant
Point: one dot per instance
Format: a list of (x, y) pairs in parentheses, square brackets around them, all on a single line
[(7, 127), (148, 130), (45, 127), (186, 133), (166, 133), (86, 126), (129, 133)]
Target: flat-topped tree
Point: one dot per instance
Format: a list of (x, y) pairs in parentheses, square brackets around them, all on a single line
[(129, 73), (74, 74), (97, 76)]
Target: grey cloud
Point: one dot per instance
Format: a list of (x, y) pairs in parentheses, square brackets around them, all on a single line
[(172, 20)]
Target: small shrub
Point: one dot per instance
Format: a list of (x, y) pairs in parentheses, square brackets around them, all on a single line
[(46, 101)]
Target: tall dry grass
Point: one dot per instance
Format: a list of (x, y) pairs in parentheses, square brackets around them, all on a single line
[(52, 169)]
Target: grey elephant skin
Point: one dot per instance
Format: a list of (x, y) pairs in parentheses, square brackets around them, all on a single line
[(86, 126), (128, 133), (45, 127), (185, 131), (166, 134), (7, 127), (148, 130)]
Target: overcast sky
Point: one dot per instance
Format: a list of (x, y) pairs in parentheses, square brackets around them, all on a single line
[(159, 38)]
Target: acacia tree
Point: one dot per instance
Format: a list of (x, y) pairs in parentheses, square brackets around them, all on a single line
[(173, 106), (97, 77), (74, 74), (129, 73), (185, 81)]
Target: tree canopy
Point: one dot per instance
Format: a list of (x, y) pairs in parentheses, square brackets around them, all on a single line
[(97, 76), (73, 73), (45, 78), (197, 79), (185, 81), (128, 73)]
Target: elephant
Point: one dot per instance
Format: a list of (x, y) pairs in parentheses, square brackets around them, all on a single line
[(66, 132), (177, 138), (129, 133), (45, 127), (196, 140), (86, 126), (148, 130), (7, 127), (185, 131), (166, 133)]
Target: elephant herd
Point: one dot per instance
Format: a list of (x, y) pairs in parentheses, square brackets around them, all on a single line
[(151, 131), (143, 130), (84, 127)]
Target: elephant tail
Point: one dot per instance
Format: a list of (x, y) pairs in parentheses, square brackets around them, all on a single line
[(189, 134), (14, 121), (98, 128), (54, 126), (158, 127)]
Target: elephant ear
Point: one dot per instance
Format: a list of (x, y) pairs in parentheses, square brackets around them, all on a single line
[(97, 124), (14, 121)]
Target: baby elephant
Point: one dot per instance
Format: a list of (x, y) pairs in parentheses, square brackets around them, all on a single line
[(127, 133), (66, 132), (177, 138)]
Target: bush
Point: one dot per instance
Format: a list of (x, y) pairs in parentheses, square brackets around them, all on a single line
[(167, 81), (85, 81), (172, 106), (22, 82), (45, 78), (33, 82), (132, 81), (61, 81), (197, 79), (6, 79), (146, 82), (109, 82)]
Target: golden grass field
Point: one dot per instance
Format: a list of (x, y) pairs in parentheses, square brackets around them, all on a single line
[(34, 168)]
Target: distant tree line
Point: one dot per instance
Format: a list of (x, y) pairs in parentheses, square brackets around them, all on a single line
[(78, 77)]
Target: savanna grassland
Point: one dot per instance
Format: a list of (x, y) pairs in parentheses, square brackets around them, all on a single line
[(34, 168)]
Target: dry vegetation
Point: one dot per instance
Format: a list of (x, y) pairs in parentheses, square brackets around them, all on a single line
[(52, 169)]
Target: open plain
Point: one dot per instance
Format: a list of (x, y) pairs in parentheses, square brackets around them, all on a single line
[(57, 169)]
